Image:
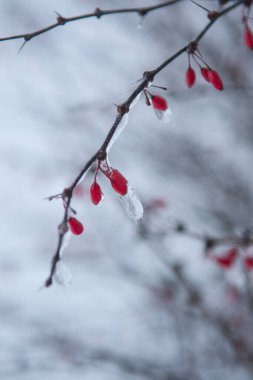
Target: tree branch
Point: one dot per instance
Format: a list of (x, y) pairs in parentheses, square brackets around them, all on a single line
[(122, 109)]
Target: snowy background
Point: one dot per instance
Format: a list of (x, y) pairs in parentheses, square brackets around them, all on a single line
[(133, 309)]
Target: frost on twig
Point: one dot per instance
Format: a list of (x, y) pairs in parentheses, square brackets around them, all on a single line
[(62, 274)]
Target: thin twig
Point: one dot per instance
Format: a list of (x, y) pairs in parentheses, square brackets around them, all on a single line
[(98, 13)]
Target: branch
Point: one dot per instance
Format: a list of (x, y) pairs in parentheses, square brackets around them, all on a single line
[(98, 13), (122, 109)]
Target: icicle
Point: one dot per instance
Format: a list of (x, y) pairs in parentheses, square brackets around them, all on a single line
[(122, 124), (140, 23), (132, 204), (118, 131), (164, 116), (62, 274)]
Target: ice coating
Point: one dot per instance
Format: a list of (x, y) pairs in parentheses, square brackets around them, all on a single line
[(135, 101), (62, 274), (65, 242), (118, 131), (122, 124), (83, 176), (164, 116), (132, 204)]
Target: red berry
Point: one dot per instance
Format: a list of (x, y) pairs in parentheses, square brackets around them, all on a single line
[(118, 182), (248, 38), (159, 103), (215, 79), (190, 77), (228, 259), (96, 194), (75, 226), (204, 72), (248, 262)]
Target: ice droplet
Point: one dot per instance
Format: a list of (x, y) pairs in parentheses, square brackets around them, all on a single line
[(62, 274), (118, 131), (132, 204), (65, 242), (140, 23), (164, 116)]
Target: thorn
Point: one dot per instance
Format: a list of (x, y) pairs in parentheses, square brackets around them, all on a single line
[(149, 75), (136, 81), (60, 19), (201, 6), (142, 12), (122, 108), (98, 13), (23, 44), (51, 197)]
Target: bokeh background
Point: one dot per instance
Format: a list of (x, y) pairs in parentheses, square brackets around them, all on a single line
[(144, 302)]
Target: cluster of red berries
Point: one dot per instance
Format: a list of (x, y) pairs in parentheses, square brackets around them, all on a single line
[(118, 182), (228, 258), (209, 74)]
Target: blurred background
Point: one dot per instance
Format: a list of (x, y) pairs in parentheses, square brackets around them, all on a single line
[(144, 302)]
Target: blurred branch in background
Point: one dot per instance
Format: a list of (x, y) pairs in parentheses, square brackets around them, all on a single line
[(232, 323)]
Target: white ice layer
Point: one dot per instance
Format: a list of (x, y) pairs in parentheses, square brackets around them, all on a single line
[(140, 23), (135, 101), (62, 274), (118, 131), (164, 116), (83, 176), (122, 124), (65, 243), (132, 204)]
